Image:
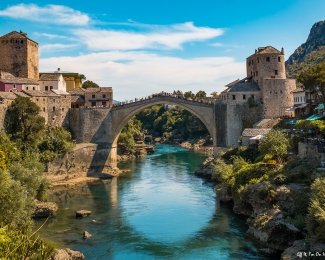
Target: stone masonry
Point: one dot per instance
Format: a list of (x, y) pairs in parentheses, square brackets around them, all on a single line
[(19, 55)]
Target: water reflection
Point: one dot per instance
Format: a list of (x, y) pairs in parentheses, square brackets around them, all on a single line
[(158, 210)]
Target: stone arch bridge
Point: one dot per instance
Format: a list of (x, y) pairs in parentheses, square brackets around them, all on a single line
[(103, 126)]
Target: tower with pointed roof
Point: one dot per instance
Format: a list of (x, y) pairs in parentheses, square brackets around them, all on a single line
[(19, 55)]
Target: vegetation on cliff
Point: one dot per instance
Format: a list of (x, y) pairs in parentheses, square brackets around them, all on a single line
[(258, 185), (23, 151), (308, 54)]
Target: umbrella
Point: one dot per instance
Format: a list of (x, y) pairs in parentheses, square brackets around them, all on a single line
[(258, 137)]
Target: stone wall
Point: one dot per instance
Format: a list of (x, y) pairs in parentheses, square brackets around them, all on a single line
[(237, 114), (277, 96), (310, 151), (32, 60)]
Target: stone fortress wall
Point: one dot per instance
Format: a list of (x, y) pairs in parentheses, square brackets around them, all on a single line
[(277, 96)]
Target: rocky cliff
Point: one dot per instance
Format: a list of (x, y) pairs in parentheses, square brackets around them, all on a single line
[(309, 53)]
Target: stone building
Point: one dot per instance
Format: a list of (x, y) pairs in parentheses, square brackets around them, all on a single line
[(10, 83), (6, 98), (77, 97), (52, 81), (73, 80), (266, 83), (99, 97), (19, 55), (92, 97), (54, 107)]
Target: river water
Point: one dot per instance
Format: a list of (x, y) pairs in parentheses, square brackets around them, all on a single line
[(158, 210)]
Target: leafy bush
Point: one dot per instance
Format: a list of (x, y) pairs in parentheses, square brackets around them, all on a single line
[(20, 244), (316, 210)]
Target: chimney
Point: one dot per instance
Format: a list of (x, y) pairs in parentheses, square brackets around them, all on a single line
[(58, 69), (255, 51), (282, 50)]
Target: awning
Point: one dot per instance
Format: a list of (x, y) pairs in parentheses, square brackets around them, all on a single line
[(320, 106), (291, 109), (314, 117), (292, 122), (302, 105)]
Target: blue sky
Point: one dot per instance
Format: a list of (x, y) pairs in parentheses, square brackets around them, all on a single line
[(143, 47)]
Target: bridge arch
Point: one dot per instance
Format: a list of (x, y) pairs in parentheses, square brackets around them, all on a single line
[(120, 115)]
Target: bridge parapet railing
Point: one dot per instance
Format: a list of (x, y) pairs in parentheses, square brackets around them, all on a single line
[(164, 98)]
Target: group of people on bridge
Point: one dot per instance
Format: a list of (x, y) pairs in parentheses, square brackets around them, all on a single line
[(200, 100)]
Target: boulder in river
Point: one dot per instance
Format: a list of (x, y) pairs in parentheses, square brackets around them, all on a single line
[(86, 234), (67, 254), (44, 209), (82, 213)]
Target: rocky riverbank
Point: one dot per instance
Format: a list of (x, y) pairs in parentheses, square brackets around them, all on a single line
[(266, 213)]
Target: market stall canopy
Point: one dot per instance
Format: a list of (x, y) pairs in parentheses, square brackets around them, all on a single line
[(258, 137), (292, 122), (320, 106), (314, 117)]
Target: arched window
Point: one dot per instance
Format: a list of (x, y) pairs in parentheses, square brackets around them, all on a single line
[(46, 88), (53, 108)]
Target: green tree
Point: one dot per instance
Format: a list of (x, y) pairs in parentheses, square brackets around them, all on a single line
[(316, 210), (178, 93), (189, 94), (89, 84), (56, 143), (129, 132), (313, 79), (214, 94), (201, 94), (22, 120), (275, 143)]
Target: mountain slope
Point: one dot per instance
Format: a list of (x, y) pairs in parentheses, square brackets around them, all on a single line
[(310, 53)]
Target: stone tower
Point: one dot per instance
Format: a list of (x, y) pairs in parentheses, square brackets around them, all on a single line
[(266, 62), (267, 68), (19, 55)]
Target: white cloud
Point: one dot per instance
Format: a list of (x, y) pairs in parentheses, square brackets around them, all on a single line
[(50, 36), (54, 14), (138, 74), (156, 36), (55, 47), (216, 44)]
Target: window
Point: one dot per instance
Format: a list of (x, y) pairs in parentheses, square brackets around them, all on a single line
[(22, 42), (51, 87), (256, 73), (244, 97), (268, 59), (104, 103), (93, 96), (14, 85), (279, 59), (43, 109), (62, 108), (93, 104), (33, 88), (46, 88), (233, 97), (36, 99), (53, 108), (276, 72), (258, 60), (252, 96), (252, 62), (104, 95), (26, 88), (10, 90), (300, 99)]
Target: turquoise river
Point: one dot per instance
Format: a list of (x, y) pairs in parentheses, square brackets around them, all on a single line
[(158, 210)]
